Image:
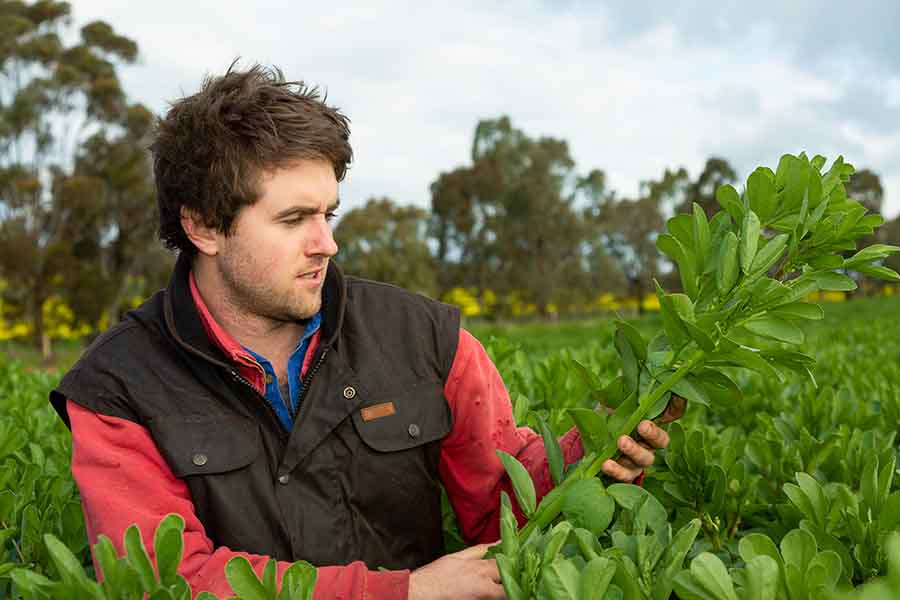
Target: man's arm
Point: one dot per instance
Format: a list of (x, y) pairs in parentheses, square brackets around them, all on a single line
[(483, 423), (123, 479)]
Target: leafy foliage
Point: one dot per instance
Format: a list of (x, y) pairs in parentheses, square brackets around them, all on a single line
[(746, 274)]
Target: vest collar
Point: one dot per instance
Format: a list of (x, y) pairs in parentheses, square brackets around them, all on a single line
[(185, 325)]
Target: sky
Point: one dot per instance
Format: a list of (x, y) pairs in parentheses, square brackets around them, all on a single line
[(633, 87)]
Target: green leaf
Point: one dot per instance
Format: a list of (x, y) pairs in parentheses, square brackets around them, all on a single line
[(868, 484), (889, 518), (592, 426), (138, 559), (298, 581), (638, 343), (630, 368), (729, 199), (559, 581), (596, 577), (682, 228), (672, 323), (671, 247), (509, 527), (701, 236), (522, 484), (749, 240), (719, 387), (834, 282), (710, 576), (795, 184), (816, 495), (763, 579), (554, 452), (799, 310), (758, 544), (699, 336), (870, 254), (690, 388), (509, 577), (778, 329), (672, 559), (168, 545), (269, 578), (761, 194), (588, 506), (727, 274), (556, 538), (587, 543), (69, 567), (883, 273), (243, 579), (748, 359), (798, 547), (769, 254), (824, 570), (31, 582)]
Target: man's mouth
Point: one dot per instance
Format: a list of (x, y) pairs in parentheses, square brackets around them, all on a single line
[(317, 274)]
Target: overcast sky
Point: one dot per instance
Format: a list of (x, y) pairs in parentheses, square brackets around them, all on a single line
[(634, 87)]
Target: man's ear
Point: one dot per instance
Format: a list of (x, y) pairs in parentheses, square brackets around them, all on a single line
[(205, 238)]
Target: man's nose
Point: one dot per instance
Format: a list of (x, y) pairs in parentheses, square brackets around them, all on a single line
[(322, 242)]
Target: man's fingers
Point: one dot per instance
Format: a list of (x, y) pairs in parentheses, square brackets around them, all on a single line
[(475, 552), (653, 435), (620, 473), (641, 456), (491, 570)]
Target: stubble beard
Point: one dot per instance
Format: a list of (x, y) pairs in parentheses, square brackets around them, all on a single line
[(251, 294)]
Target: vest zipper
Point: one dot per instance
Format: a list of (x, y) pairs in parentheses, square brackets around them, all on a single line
[(237, 377), (306, 383)]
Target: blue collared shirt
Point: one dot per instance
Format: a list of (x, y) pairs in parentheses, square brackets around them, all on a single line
[(295, 366)]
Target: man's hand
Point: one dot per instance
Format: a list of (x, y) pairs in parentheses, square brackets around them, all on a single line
[(637, 455), (460, 576)]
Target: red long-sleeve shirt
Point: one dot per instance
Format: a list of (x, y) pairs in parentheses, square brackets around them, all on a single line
[(123, 478)]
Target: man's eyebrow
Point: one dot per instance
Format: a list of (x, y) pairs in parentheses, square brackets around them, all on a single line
[(304, 211)]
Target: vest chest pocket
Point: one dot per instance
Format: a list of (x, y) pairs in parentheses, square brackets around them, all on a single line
[(206, 445), (412, 418)]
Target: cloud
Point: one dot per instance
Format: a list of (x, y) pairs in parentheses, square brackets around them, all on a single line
[(633, 89)]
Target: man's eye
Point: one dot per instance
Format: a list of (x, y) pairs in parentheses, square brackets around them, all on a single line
[(330, 215)]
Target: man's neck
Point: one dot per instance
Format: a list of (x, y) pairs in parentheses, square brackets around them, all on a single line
[(273, 339)]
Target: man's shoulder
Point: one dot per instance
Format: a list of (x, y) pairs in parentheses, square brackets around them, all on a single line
[(97, 379)]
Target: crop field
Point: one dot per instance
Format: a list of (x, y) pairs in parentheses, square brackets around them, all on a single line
[(801, 473), (779, 482)]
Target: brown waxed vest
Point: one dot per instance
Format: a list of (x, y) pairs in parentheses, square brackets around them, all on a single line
[(338, 487)]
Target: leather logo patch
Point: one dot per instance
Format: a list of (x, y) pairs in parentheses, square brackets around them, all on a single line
[(385, 409)]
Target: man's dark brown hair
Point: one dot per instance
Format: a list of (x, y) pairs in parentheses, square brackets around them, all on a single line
[(212, 148)]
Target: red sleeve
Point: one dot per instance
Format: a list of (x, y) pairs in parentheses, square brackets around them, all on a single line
[(482, 423), (123, 479)]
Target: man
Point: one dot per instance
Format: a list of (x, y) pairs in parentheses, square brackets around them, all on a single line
[(283, 409)]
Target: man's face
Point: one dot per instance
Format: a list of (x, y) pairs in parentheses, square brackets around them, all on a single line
[(273, 262)]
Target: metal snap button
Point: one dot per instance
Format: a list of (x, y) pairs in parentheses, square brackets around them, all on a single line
[(413, 431), (199, 459), (349, 393), (268, 378), (284, 479)]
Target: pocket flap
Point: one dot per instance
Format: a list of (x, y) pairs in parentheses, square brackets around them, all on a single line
[(414, 417), (206, 445)]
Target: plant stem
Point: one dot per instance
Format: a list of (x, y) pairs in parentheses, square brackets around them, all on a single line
[(593, 463)]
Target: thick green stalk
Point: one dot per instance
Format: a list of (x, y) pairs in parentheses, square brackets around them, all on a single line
[(592, 464), (643, 408)]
